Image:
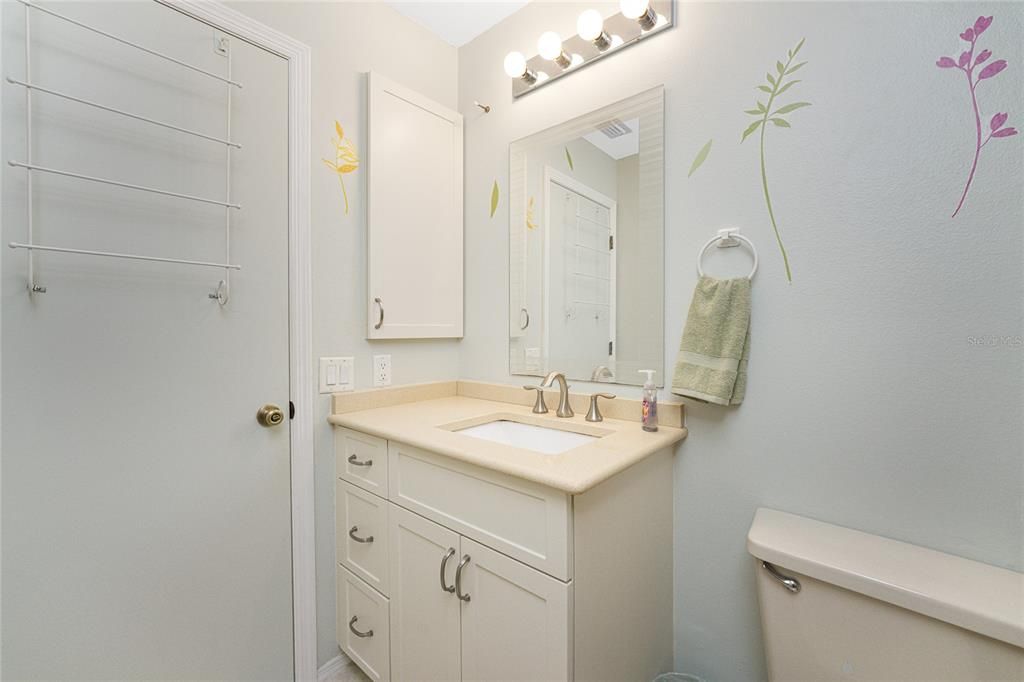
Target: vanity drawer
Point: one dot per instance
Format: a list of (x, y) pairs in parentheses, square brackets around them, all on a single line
[(361, 534), (527, 521), (362, 459), (361, 610)]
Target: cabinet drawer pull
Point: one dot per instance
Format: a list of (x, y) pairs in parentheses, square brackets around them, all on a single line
[(458, 578), (352, 627), (352, 460), (352, 534), (444, 565), (380, 320)]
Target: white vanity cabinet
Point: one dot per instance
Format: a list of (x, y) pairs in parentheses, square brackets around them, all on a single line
[(473, 574)]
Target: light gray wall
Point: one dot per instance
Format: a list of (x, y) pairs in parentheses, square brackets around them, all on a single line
[(347, 40), (871, 404)]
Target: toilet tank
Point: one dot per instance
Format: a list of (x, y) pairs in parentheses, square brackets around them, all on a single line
[(863, 607)]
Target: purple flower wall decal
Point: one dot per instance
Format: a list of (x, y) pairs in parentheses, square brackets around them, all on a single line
[(996, 129)]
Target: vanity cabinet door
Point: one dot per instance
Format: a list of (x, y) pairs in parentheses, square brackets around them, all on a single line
[(516, 624), (424, 617)]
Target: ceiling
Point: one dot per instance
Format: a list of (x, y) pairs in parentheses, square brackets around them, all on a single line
[(456, 23)]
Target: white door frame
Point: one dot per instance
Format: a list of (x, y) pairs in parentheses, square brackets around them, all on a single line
[(300, 309)]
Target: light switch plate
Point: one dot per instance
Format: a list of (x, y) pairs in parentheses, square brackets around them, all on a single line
[(381, 370), (337, 375)]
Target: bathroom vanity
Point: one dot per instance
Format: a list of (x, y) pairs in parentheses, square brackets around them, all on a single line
[(476, 540)]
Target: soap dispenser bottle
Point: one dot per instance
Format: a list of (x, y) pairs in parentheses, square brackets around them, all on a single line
[(649, 417)]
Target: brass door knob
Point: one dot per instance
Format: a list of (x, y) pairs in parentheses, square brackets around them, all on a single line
[(270, 415)]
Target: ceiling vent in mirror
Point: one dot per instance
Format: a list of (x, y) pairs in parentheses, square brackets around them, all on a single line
[(614, 128)]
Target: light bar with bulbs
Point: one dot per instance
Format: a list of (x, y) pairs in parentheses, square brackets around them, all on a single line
[(597, 37)]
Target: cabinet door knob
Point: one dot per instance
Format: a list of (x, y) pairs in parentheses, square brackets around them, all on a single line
[(357, 633), (444, 565), (352, 534), (352, 460), (458, 578)]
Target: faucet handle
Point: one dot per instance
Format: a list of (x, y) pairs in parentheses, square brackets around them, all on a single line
[(594, 414), (539, 406)]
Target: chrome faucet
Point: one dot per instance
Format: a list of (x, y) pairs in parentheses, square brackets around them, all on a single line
[(564, 409)]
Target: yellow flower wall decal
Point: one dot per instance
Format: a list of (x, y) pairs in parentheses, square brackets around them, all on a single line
[(346, 160), (529, 215)]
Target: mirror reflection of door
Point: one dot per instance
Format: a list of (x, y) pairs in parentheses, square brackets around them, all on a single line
[(580, 316)]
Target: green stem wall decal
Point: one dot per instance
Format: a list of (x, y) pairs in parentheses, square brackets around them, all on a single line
[(775, 87)]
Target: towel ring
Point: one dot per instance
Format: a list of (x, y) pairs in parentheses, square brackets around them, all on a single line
[(727, 237)]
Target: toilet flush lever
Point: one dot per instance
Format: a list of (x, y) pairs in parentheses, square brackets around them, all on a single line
[(791, 584)]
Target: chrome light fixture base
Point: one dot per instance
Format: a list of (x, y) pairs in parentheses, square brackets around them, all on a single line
[(619, 33)]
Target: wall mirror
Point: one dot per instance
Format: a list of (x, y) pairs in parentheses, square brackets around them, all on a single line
[(586, 245)]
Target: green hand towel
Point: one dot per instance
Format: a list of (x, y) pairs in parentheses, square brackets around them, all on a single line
[(712, 361)]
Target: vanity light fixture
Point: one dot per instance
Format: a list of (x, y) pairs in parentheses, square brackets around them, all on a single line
[(515, 67), (590, 26), (549, 46), (641, 11), (597, 37)]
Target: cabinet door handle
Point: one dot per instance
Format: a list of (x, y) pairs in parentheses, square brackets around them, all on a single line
[(380, 320), (444, 565), (352, 460), (352, 534), (458, 578), (352, 627)]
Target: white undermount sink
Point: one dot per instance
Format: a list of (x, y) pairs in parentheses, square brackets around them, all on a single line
[(528, 436)]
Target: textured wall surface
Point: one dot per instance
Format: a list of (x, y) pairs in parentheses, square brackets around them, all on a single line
[(878, 397)]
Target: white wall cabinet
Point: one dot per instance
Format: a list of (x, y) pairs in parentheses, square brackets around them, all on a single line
[(414, 215), (586, 595)]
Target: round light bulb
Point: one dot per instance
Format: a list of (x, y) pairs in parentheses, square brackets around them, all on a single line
[(550, 45), (515, 64), (590, 25), (634, 9)]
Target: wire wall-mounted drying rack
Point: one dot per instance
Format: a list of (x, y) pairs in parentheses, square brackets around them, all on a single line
[(222, 291), (726, 238)]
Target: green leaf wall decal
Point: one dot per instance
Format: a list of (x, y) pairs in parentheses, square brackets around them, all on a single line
[(753, 126), (494, 198), (702, 155), (568, 157), (791, 107)]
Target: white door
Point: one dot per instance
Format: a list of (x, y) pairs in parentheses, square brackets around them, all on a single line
[(414, 220), (424, 608), (146, 513), (516, 624)]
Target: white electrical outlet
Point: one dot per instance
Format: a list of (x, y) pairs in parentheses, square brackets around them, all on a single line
[(337, 374), (381, 370)]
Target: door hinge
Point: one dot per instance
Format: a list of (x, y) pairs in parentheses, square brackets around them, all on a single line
[(611, 242), (611, 348), (291, 410)]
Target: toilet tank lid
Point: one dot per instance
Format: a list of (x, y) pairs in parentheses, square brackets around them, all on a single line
[(972, 595)]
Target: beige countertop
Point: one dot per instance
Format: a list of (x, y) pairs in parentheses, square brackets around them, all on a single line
[(428, 424)]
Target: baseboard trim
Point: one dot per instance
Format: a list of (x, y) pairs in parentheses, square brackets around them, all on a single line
[(329, 670)]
